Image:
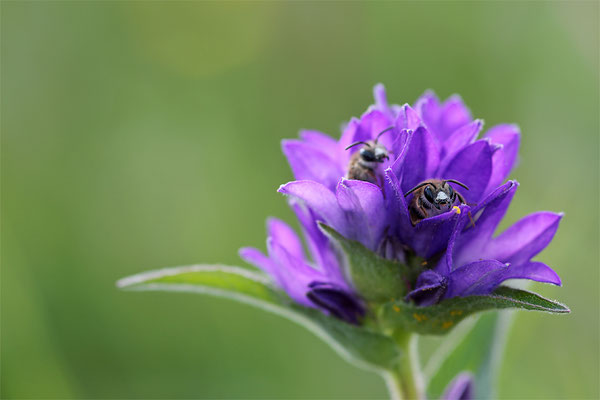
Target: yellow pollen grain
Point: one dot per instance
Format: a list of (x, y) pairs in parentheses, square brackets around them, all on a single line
[(396, 308), (419, 317), (447, 324), (424, 263), (457, 209), (456, 312)]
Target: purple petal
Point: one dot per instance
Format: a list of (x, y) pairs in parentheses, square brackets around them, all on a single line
[(421, 161), (363, 203), (454, 115), (442, 120), (395, 203), (336, 302), (322, 252), (459, 139), (293, 273), (430, 235), (461, 388), (487, 215), (479, 277), (473, 167), (408, 118), (320, 199), (380, 97), (311, 162), (259, 260), (482, 277), (325, 142), (446, 264), (365, 129), (400, 149), (535, 271), (504, 159), (429, 289), (524, 239), (285, 236)]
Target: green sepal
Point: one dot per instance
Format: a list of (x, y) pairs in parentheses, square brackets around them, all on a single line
[(358, 345), (376, 279), (442, 317)]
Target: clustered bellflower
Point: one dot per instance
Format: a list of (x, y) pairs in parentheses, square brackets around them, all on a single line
[(455, 251), (380, 263)]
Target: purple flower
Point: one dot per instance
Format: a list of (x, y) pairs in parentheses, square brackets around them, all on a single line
[(476, 262), (444, 229), (431, 141), (461, 388), (315, 282)]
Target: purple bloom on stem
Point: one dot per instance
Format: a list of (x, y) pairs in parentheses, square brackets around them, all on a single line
[(317, 283), (452, 243), (477, 263)]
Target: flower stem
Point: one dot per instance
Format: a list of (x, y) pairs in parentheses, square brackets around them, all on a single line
[(405, 381)]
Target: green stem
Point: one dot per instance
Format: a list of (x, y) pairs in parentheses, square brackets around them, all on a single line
[(405, 381)]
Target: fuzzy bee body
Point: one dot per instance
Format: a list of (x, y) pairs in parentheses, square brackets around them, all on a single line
[(363, 163), (433, 197)]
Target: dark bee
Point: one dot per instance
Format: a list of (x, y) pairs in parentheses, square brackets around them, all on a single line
[(433, 197), (364, 162)]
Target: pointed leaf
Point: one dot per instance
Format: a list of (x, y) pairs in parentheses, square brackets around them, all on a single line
[(357, 345), (374, 278), (479, 352), (440, 318)]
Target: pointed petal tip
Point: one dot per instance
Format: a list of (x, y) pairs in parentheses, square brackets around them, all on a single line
[(282, 188), (378, 88), (243, 251)]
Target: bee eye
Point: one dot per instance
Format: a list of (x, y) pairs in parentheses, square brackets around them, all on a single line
[(367, 155), (428, 194), (450, 192)]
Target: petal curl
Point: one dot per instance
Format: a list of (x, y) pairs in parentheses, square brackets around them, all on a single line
[(310, 162), (429, 289), (320, 199)]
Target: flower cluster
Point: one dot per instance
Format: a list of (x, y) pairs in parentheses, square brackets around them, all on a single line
[(444, 229)]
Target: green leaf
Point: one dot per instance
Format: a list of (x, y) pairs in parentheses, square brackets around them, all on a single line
[(441, 318), (374, 278), (357, 345), (478, 351)]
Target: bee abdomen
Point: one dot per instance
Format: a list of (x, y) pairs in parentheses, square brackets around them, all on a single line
[(362, 174)]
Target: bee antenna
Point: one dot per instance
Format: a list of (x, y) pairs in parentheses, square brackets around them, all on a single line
[(355, 143), (382, 132), (420, 185), (455, 181)]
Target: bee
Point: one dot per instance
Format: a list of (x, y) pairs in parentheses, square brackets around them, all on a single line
[(433, 197), (364, 162)]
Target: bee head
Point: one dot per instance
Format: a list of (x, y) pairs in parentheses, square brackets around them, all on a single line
[(438, 193), (439, 196), (373, 152)]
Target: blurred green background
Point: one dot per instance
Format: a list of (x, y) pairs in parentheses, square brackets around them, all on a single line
[(137, 135)]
